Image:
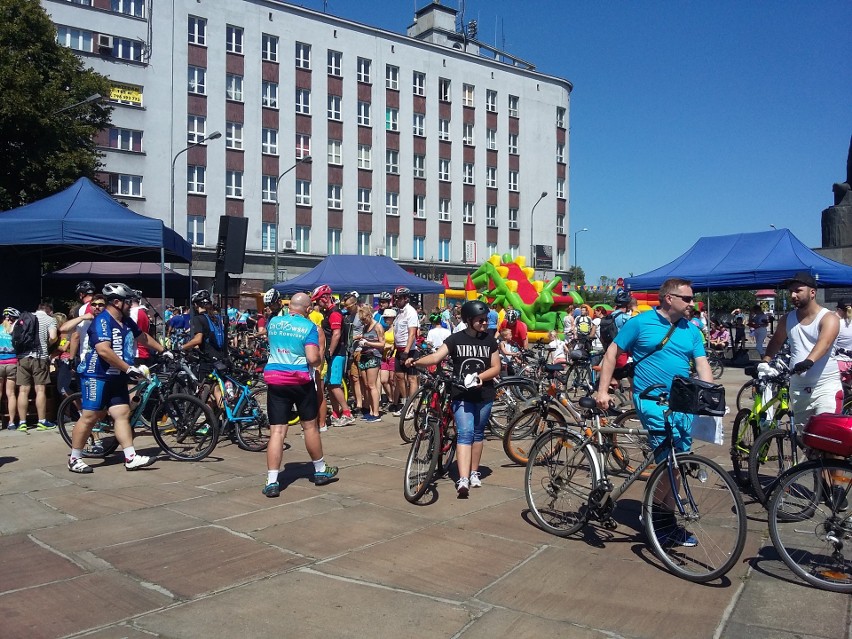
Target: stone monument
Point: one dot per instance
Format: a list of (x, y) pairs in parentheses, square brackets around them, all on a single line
[(837, 228)]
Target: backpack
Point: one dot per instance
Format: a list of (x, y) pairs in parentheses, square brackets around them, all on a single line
[(25, 334), (584, 324), (216, 336), (608, 329)]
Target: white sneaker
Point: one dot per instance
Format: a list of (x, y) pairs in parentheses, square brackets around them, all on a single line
[(79, 466), (139, 461), (463, 487), (323, 428), (475, 481)]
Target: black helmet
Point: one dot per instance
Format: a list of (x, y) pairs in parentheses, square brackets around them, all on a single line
[(85, 288), (512, 316), (384, 295), (202, 297), (622, 298), (118, 290), (271, 296), (473, 308)]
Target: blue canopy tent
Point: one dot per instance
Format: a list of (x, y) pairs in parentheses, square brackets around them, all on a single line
[(745, 260), (362, 273)]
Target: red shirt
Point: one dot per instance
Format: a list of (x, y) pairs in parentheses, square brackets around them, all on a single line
[(144, 324), (519, 331)]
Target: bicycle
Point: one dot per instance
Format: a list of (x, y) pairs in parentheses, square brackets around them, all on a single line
[(434, 446), (183, 426), (567, 486)]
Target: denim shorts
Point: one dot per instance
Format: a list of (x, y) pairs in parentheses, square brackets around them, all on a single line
[(471, 419)]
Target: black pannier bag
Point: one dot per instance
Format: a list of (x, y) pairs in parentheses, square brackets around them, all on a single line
[(696, 397)]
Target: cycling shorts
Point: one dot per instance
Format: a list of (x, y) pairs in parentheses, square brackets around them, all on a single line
[(281, 400), (334, 374), (101, 394)]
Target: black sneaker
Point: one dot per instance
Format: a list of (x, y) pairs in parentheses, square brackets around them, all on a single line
[(838, 500)]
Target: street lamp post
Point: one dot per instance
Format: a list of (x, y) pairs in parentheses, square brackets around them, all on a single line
[(92, 98), (305, 160), (213, 136), (532, 226), (576, 233)]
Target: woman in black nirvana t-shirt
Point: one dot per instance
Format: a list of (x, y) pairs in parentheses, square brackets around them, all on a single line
[(476, 363)]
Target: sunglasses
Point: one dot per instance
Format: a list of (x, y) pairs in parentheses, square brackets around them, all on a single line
[(98, 305), (686, 298)]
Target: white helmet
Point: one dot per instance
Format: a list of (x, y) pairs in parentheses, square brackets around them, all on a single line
[(117, 290)]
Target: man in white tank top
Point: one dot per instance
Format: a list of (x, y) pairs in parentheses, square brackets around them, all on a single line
[(811, 331)]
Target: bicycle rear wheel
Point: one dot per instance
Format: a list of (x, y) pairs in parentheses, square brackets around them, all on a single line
[(809, 523), (510, 397), (420, 465), (100, 443), (185, 428), (560, 475), (411, 415), (253, 434), (743, 434), (703, 542), (745, 396), (578, 381), (773, 453), (525, 428), (716, 367)]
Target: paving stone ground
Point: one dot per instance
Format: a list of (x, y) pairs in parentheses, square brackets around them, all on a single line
[(195, 550)]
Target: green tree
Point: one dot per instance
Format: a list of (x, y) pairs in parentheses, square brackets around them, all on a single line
[(722, 302), (576, 275), (44, 148)]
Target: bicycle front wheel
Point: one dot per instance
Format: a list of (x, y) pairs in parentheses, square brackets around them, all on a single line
[(253, 434), (524, 430), (744, 432), (701, 535), (773, 453), (561, 473), (745, 396), (412, 414), (809, 523), (421, 463), (716, 367), (185, 428), (100, 443), (510, 397)]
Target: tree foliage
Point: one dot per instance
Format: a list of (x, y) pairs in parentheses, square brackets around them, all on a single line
[(576, 275), (43, 150)]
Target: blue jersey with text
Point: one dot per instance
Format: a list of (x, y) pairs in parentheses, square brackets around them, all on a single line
[(121, 337), (288, 335)]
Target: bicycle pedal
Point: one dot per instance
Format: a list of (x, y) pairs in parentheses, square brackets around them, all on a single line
[(610, 524)]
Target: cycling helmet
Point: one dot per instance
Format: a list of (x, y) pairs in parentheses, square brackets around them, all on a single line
[(11, 313), (118, 291), (384, 295), (473, 308), (85, 288), (202, 297), (137, 294), (271, 297), (401, 291), (346, 296), (435, 318), (511, 316), (622, 298), (320, 291)]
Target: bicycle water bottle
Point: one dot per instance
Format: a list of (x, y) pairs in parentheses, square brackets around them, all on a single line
[(229, 390)]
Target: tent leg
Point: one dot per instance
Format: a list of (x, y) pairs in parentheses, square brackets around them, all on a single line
[(163, 284)]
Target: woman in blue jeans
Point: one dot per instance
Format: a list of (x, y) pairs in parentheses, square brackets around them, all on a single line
[(476, 362)]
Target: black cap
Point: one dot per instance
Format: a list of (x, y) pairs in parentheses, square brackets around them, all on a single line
[(802, 277)]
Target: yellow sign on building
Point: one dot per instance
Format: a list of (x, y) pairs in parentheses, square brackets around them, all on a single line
[(126, 94)]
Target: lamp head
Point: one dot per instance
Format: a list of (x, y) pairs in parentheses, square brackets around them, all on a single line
[(215, 135)]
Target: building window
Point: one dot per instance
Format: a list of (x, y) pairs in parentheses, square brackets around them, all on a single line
[(468, 212), (234, 39), (513, 218), (560, 117), (491, 139), (392, 246), (269, 50), (365, 200), (364, 66), (303, 55), (364, 118), (303, 239), (491, 177), (334, 236), (391, 119), (444, 169), (513, 143), (268, 237), (196, 128), (419, 166), (443, 129), (303, 145), (233, 184), (234, 87), (197, 30), (195, 230), (268, 188), (560, 224), (303, 101), (444, 250), (560, 188), (197, 80), (467, 134), (444, 90), (467, 95), (303, 192), (270, 95), (391, 203), (335, 152), (392, 161), (513, 180), (491, 101), (491, 215), (124, 49), (420, 206), (513, 251), (128, 185), (335, 196), (513, 106), (363, 243), (445, 209), (233, 135), (467, 173), (195, 179), (392, 77), (419, 124), (560, 153), (418, 251), (334, 106), (76, 39), (490, 248), (335, 63), (135, 8), (269, 144), (125, 139), (418, 83), (560, 260), (365, 156)]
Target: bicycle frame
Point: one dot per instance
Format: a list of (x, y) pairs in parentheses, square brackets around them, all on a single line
[(232, 414)]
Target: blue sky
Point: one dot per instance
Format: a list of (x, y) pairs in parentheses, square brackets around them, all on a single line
[(687, 119)]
